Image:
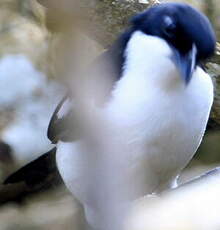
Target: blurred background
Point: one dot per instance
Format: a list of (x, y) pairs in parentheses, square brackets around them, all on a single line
[(33, 66)]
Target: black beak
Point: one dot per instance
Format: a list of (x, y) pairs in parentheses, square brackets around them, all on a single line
[(186, 63)]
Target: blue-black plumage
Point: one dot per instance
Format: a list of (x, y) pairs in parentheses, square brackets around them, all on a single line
[(185, 29)]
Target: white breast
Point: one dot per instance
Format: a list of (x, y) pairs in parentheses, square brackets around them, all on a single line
[(166, 129), (162, 119)]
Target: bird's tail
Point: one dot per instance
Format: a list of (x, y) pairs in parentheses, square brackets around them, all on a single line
[(35, 172)]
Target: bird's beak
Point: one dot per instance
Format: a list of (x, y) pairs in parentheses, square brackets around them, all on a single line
[(186, 63)]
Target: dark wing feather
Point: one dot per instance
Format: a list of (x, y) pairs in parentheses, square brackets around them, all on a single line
[(64, 128), (54, 128)]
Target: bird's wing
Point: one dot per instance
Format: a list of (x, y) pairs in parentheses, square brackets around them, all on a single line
[(104, 72), (63, 124)]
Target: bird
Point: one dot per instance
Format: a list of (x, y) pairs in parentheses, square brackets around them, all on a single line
[(160, 96)]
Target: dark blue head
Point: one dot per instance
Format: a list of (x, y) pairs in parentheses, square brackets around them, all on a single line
[(186, 30)]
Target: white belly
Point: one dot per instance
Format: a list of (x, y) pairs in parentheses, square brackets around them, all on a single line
[(162, 135)]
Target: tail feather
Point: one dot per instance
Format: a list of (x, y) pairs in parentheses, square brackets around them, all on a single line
[(37, 171)]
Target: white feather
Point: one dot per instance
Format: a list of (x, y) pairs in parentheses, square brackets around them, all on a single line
[(163, 119)]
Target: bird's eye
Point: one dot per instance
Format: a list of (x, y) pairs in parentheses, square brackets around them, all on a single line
[(169, 26)]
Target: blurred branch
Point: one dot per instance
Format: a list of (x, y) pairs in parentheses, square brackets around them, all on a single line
[(104, 19), (214, 70), (210, 9), (108, 18), (12, 192), (32, 10)]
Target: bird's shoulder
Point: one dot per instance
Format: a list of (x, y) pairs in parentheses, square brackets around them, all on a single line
[(104, 72)]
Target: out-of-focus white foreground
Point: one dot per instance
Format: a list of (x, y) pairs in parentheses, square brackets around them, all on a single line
[(29, 99), (194, 206)]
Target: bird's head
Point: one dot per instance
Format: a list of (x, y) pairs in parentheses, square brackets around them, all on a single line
[(187, 31)]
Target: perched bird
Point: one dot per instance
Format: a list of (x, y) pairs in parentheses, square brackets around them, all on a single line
[(160, 97)]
